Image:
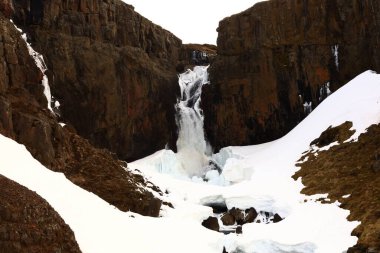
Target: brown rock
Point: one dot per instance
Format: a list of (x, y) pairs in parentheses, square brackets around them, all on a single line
[(345, 169), (24, 230), (277, 218), (228, 219), (251, 215), (113, 71), (276, 56), (211, 223), (238, 215)]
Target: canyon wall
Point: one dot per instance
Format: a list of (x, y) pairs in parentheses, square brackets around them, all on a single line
[(280, 54), (25, 118), (112, 70)]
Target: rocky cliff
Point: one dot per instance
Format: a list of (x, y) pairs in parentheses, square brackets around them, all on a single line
[(24, 117), (280, 54), (112, 70)]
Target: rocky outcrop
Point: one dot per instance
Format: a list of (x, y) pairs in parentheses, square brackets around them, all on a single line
[(112, 70), (280, 54), (25, 118), (29, 224), (346, 172)]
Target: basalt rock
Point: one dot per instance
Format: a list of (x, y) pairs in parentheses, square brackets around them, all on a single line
[(112, 70), (25, 118), (29, 224), (280, 54)]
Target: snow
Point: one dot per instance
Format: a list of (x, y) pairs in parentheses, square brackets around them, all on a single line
[(259, 176), (40, 63), (98, 226), (335, 52), (262, 180)]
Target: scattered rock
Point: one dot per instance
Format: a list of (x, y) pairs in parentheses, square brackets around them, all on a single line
[(332, 134), (251, 215), (228, 219), (238, 215), (277, 218), (346, 168), (211, 223)]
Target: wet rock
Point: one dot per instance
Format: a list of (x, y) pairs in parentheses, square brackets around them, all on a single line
[(251, 215), (277, 218), (238, 215), (279, 54), (228, 219), (211, 223)]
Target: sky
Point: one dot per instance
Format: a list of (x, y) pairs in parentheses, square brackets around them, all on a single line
[(193, 21)]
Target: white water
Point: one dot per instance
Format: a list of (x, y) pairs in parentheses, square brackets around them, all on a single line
[(193, 149)]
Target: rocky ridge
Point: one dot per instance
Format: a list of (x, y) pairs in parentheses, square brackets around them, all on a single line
[(29, 224), (349, 173), (280, 54)]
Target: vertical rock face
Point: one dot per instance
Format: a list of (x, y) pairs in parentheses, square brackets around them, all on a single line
[(112, 70), (25, 118), (277, 55)]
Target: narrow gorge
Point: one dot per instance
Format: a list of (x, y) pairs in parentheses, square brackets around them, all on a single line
[(115, 136)]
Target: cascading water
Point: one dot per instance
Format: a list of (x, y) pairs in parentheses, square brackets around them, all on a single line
[(193, 149)]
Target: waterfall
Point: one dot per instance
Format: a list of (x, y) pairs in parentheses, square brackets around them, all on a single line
[(193, 149)]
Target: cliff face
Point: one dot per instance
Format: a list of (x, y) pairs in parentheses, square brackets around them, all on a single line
[(25, 118), (112, 70), (277, 55)]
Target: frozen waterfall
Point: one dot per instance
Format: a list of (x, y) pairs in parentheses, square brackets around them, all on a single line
[(193, 149)]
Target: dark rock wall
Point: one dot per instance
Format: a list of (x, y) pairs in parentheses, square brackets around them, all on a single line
[(25, 118), (112, 70), (277, 55)]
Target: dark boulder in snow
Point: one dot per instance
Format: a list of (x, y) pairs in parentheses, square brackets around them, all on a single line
[(250, 215), (238, 215), (277, 218), (211, 223), (228, 219)]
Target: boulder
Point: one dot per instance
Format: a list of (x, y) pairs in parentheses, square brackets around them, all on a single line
[(250, 215), (211, 223), (228, 219)]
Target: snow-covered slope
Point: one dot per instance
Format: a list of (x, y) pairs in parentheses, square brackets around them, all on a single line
[(266, 184)]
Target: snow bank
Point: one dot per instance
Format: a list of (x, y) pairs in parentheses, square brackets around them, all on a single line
[(98, 226)]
